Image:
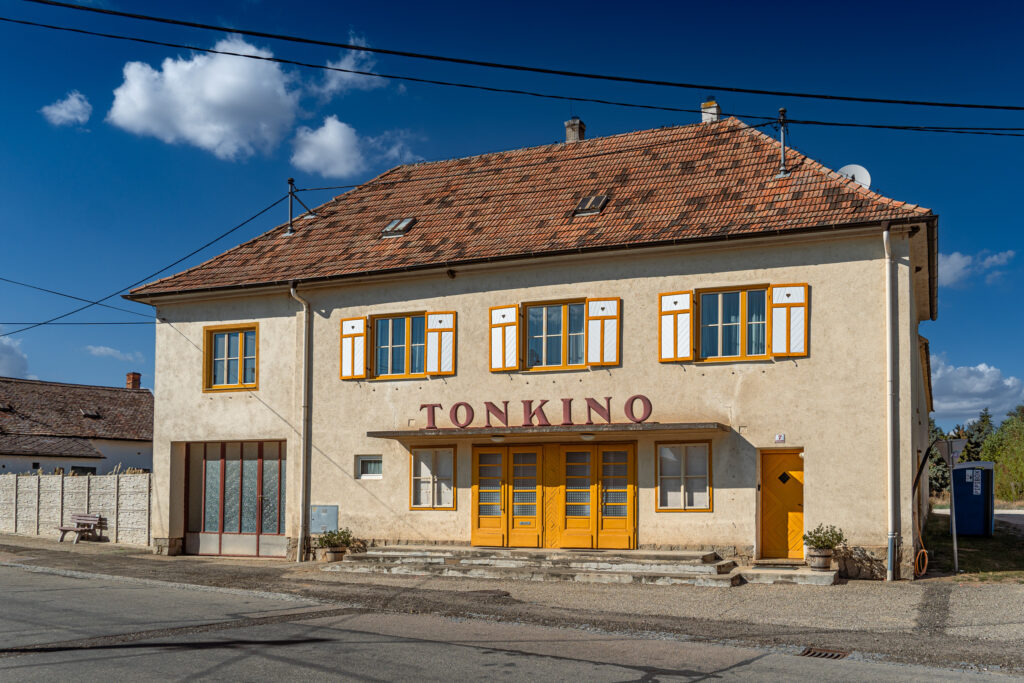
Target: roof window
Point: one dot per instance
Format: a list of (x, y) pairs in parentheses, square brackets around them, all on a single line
[(6, 408), (92, 413), (591, 205), (397, 227)]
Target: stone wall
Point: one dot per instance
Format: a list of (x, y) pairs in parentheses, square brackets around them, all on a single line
[(37, 504)]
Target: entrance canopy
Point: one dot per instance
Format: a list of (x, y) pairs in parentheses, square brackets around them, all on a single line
[(554, 431)]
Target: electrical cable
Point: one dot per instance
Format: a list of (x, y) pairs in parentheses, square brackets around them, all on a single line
[(148, 277), (132, 322), (519, 67), (962, 130), (70, 296)]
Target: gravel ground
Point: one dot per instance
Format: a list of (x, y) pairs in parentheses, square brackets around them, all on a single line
[(940, 623)]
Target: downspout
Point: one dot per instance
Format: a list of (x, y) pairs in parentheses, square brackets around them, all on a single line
[(306, 431), (890, 558)]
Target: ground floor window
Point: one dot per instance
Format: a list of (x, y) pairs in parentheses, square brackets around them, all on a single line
[(236, 488), (433, 478), (684, 476)]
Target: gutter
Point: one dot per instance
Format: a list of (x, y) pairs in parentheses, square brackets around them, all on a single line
[(890, 450), (307, 428)]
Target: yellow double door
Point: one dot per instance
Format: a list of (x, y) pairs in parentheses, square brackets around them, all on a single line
[(555, 496)]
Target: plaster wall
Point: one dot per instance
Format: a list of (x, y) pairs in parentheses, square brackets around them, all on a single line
[(831, 404)]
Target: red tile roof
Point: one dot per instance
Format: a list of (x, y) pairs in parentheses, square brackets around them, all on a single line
[(35, 412), (668, 185)]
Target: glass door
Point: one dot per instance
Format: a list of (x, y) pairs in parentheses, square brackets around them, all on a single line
[(490, 522), (579, 493), (526, 493), (617, 525)]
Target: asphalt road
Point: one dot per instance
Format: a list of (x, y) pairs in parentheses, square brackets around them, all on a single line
[(55, 625)]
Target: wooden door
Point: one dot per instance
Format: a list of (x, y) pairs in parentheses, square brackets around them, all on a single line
[(617, 513), (490, 519), (579, 497), (782, 505), (524, 496)]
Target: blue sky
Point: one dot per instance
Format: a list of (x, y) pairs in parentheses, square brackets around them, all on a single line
[(162, 149)]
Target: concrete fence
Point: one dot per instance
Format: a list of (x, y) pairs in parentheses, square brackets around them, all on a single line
[(37, 504)]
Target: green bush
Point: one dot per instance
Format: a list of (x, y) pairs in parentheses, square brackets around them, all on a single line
[(333, 539), (1006, 448), (824, 537)]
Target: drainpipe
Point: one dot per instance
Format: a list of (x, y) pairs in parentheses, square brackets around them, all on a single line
[(890, 561), (306, 433)]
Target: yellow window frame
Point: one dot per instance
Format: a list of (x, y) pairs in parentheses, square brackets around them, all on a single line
[(697, 324), (209, 332), (524, 339), (372, 333)]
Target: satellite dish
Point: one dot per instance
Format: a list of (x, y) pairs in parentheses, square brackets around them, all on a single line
[(857, 173)]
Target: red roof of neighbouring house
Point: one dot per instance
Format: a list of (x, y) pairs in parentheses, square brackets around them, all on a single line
[(669, 185), (51, 418)]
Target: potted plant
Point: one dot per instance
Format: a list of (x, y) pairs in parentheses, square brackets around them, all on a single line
[(821, 542), (331, 546)]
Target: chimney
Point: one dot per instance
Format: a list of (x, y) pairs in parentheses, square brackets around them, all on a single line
[(574, 129), (133, 380), (710, 112)]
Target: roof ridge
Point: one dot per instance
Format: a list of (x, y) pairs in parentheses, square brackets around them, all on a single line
[(69, 384)]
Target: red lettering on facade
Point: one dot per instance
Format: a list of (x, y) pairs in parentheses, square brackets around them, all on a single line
[(604, 411), (453, 415), (431, 407), (645, 405), (566, 412), (500, 414), (529, 413)]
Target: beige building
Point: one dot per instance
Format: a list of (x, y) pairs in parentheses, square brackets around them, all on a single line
[(648, 340)]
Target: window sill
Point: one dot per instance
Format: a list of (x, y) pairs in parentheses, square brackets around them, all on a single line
[(734, 359), (684, 509), (539, 369), (392, 378), (230, 388), (415, 508)]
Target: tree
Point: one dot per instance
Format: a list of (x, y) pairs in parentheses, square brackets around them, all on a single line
[(1005, 447), (938, 471), (976, 433), (1017, 412)]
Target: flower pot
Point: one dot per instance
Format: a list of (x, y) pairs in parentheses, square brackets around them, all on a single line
[(819, 559), (332, 554)]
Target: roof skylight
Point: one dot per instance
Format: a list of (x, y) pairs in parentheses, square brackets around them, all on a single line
[(93, 413), (591, 205), (398, 227)]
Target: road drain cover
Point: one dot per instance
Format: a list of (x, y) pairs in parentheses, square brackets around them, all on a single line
[(822, 653)]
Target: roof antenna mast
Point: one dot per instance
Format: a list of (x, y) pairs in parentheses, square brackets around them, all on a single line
[(783, 173), (291, 200)]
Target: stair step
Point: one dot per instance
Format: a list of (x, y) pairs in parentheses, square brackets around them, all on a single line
[(599, 555), (609, 564), (699, 578), (783, 575)]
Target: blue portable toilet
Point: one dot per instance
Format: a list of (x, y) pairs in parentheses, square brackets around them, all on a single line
[(974, 498)]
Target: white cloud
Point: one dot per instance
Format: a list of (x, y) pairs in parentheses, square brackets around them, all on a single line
[(956, 268), (230, 106), (109, 352), (961, 392), (333, 150), (74, 108), (392, 147), (13, 361), (339, 82)]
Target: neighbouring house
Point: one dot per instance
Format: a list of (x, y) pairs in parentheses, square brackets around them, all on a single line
[(75, 428), (658, 339)]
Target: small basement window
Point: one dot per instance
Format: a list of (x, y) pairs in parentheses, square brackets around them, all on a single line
[(591, 205), (397, 227), (369, 467)]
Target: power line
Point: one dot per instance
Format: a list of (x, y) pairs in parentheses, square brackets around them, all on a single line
[(192, 253), (130, 322), (69, 296), (519, 67), (961, 130)]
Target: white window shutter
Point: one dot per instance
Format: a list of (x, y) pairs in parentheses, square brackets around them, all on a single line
[(675, 341), (789, 319), (603, 323), (504, 351), (353, 348), (441, 343)]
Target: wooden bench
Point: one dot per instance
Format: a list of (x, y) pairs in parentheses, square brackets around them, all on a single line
[(82, 525)]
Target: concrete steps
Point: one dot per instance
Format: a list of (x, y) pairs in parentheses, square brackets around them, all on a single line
[(637, 567)]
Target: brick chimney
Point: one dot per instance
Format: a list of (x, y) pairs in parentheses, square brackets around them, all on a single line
[(710, 112), (574, 129), (133, 380)]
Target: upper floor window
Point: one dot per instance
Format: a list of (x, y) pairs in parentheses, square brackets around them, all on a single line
[(400, 345), (230, 355), (733, 324), (555, 335)]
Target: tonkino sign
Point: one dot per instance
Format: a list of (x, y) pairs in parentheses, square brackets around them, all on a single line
[(637, 408)]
